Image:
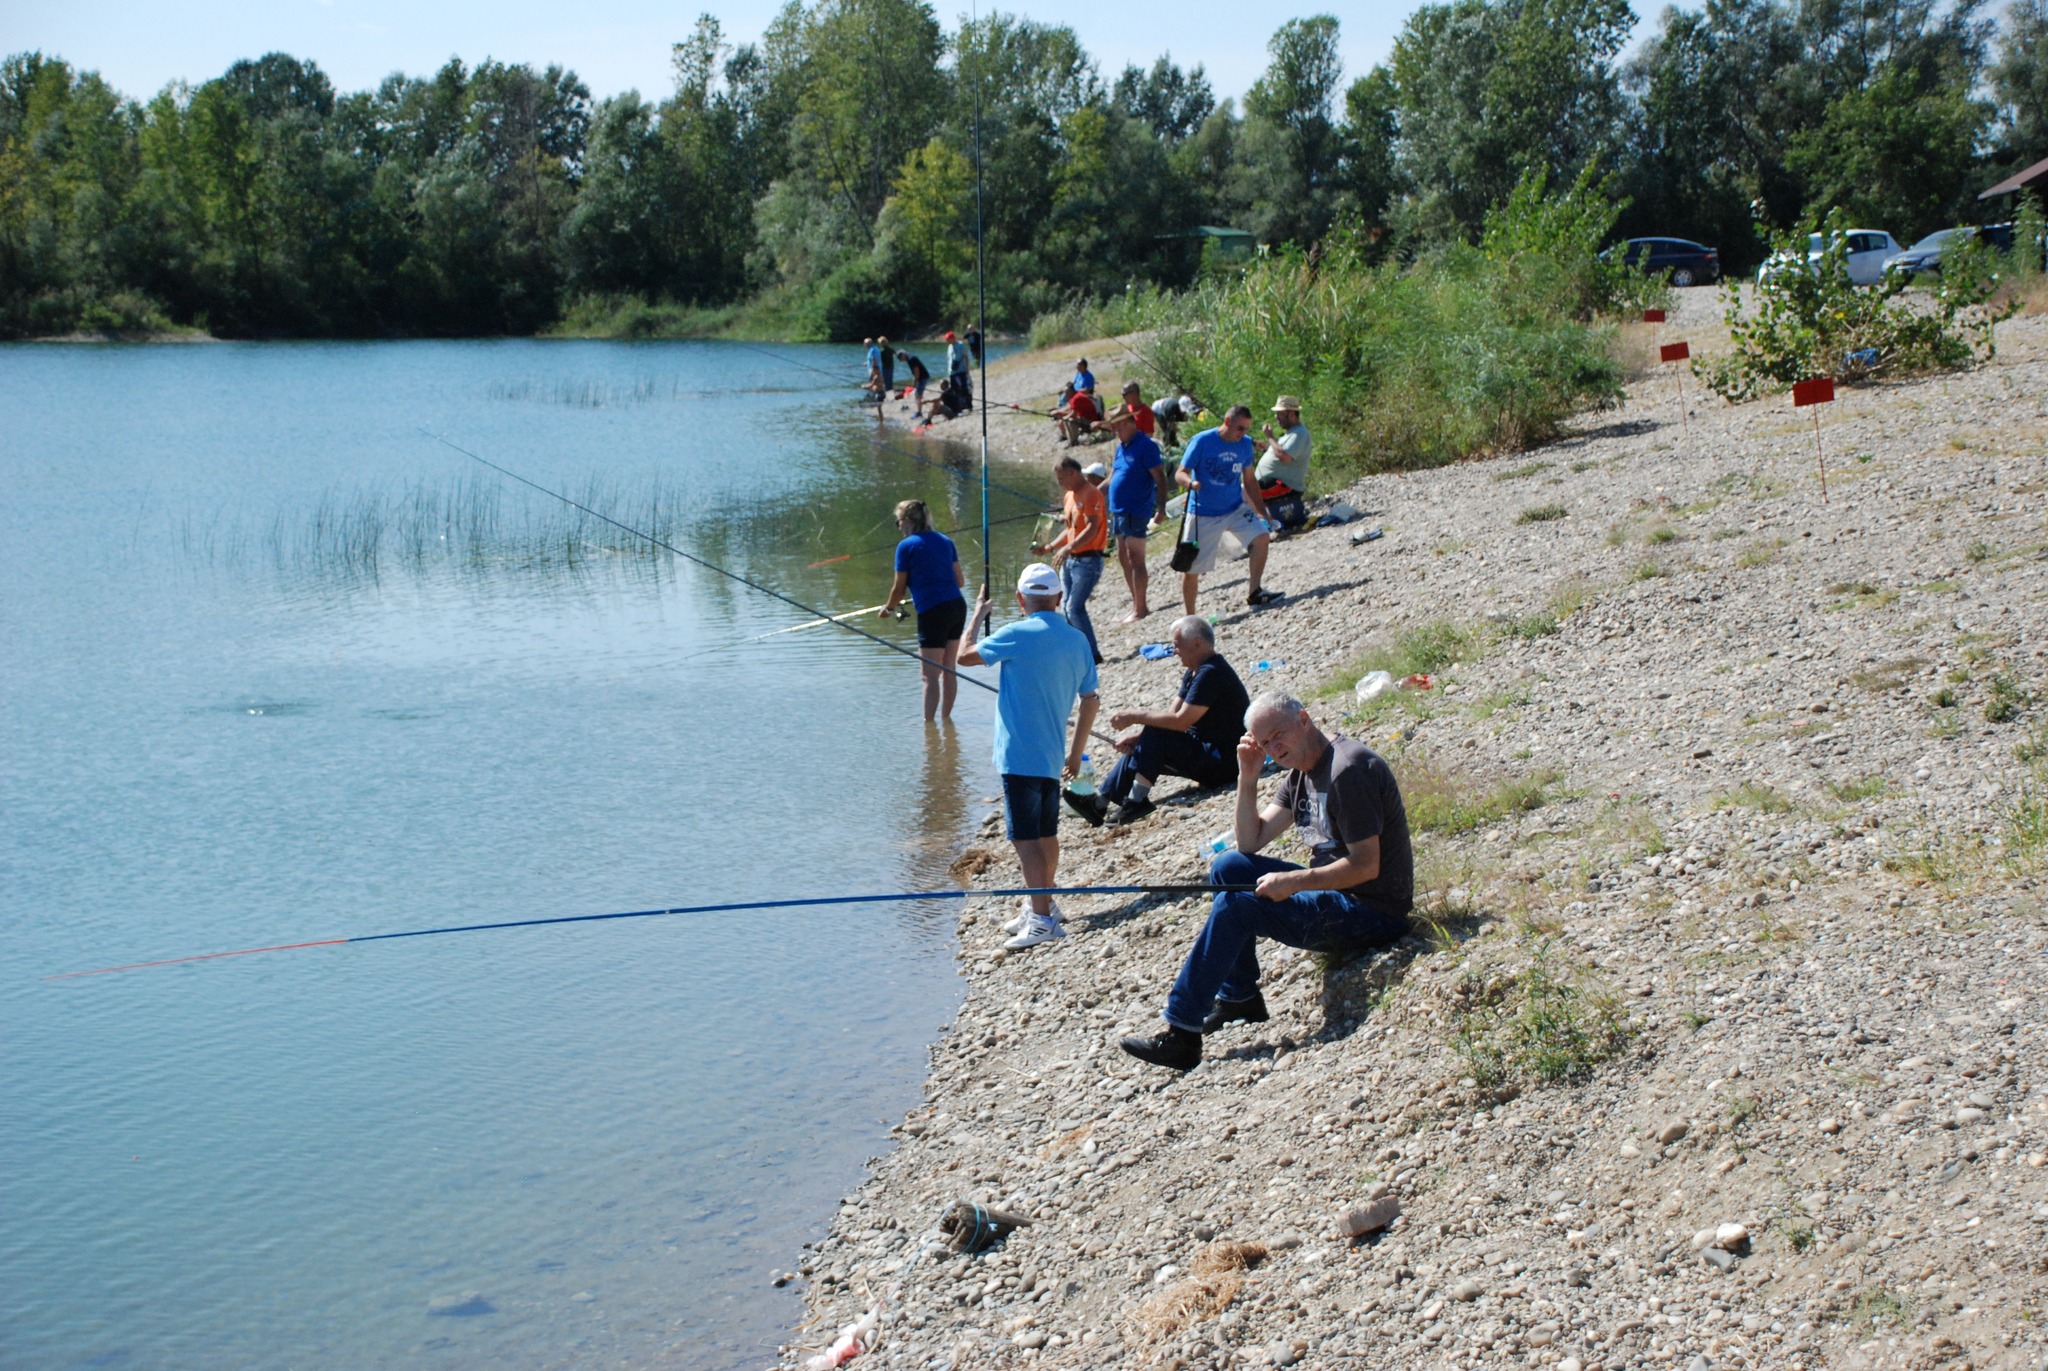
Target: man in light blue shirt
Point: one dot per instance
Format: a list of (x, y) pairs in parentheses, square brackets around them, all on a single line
[(1046, 664), (1218, 469), (1084, 379)]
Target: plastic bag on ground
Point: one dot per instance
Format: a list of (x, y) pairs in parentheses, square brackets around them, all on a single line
[(1373, 683)]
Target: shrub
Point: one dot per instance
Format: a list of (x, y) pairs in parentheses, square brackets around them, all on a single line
[(1539, 1024), (1814, 321), (1540, 514), (1399, 368), (1079, 320)]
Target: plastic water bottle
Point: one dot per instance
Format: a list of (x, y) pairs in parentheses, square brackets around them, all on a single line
[(1176, 506), (1084, 783), (1223, 842)]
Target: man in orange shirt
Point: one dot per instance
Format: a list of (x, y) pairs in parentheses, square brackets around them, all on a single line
[(1078, 551)]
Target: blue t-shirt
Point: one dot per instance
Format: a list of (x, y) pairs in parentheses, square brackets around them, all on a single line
[(1046, 664), (875, 359), (1084, 379), (1132, 489), (929, 557), (1220, 467)]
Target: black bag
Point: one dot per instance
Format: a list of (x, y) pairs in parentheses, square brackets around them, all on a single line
[(1187, 549)]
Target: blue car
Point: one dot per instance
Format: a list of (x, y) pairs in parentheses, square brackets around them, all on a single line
[(1689, 263)]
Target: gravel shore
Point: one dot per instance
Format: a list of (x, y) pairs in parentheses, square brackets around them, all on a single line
[(1722, 1042)]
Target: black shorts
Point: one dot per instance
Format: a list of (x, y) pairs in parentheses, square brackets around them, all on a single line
[(942, 624)]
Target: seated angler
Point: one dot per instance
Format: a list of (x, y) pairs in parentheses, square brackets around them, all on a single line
[(1197, 737), (1354, 895)]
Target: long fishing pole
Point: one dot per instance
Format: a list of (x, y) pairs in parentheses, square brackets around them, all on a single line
[(728, 908), (691, 557), (981, 323)]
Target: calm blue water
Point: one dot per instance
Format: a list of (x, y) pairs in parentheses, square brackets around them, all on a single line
[(228, 725)]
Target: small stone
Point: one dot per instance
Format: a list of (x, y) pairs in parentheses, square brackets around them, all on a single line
[(1570, 1364), (1979, 1100), (1718, 1258), (1467, 1291), (1030, 1337), (1703, 1238), (1578, 1277), (1629, 1152), (1730, 1236), (469, 1302), (1204, 1232), (1967, 1116), (2037, 1160), (1369, 1217), (1165, 1274), (1673, 1131), (1830, 1126), (1282, 1354)]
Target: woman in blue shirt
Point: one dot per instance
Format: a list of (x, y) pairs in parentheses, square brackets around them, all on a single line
[(928, 566)]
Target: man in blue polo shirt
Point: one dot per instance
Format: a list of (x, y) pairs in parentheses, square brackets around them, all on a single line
[(1137, 496), (1218, 468), (1046, 664), (1084, 379)]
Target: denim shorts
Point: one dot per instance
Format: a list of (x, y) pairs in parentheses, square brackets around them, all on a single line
[(1031, 807), (1129, 525)]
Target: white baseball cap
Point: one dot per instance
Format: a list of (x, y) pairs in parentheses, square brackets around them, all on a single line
[(1095, 469), (1039, 579)]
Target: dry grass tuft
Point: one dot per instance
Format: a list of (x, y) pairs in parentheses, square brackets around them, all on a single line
[(1216, 1277)]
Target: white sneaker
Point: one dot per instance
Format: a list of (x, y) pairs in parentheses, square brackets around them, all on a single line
[(1036, 930), (1016, 925)]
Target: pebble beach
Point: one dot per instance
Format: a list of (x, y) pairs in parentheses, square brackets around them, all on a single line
[(1719, 1041)]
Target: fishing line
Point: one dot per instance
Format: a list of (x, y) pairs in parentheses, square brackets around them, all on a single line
[(699, 561), (1185, 888), (949, 532)]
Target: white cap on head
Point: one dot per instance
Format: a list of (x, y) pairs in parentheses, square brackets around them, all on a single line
[(1095, 469), (1039, 579)]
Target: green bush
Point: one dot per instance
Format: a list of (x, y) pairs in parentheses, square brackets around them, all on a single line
[(1398, 369), (1815, 321), (1080, 319)]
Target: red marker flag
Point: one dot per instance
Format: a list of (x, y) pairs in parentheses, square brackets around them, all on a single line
[(1819, 391), (1653, 316), (1674, 352)]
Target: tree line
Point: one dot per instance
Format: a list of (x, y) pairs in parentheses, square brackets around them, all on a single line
[(826, 175)]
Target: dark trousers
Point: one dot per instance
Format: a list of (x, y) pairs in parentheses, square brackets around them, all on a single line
[(1162, 752), (1225, 961)]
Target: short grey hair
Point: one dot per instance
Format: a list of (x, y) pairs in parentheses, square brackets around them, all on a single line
[(1195, 626), (1035, 603), (1277, 703)]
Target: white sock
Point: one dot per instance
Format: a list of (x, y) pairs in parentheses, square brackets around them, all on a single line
[(1141, 790)]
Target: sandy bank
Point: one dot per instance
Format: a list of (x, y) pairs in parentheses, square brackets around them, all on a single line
[(1782, 827)]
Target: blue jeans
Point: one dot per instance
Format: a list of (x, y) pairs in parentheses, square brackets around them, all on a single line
[(1162, 752), (1077, 580), (1224, 962)]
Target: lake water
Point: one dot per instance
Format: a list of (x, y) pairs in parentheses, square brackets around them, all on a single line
[(276, 666)]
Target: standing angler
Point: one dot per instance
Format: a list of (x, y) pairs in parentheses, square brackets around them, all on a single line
[(1046, 665), (1137, 497), (1077, 552), (958, 363), (1355, 893), (1217, 469)]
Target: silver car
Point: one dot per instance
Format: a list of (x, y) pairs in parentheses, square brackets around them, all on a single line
[(1869, 249)]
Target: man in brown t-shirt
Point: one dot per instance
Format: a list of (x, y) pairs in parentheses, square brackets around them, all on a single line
[(1355, 893)]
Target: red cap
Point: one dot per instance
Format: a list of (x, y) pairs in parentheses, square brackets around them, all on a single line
[(949, 336)]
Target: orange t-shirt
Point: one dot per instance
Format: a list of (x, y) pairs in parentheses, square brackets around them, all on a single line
[(1081, 505)]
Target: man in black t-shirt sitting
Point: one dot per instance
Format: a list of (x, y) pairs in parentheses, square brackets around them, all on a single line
[(1354, 894), (1196, 737)]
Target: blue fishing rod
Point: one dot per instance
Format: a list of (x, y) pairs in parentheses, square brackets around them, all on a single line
[(731, 907)]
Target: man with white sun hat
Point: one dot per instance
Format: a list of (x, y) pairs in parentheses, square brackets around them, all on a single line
[(1047, 665)]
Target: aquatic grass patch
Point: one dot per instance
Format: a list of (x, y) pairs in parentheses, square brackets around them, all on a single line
[(475, 524), (586, 394)]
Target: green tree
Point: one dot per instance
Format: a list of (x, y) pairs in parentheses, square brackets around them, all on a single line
[(1171, 102), (2019, 82), (1888, 152), (931, 212), (1290, 151)]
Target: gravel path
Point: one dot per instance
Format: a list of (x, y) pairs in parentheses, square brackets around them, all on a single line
[(1737, 837)]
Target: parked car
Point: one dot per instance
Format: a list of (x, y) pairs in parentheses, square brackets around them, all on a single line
[(1925, 255), (1689, 263), (1869, 249)]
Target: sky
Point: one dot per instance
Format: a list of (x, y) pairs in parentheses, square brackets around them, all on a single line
[(141, 45)]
